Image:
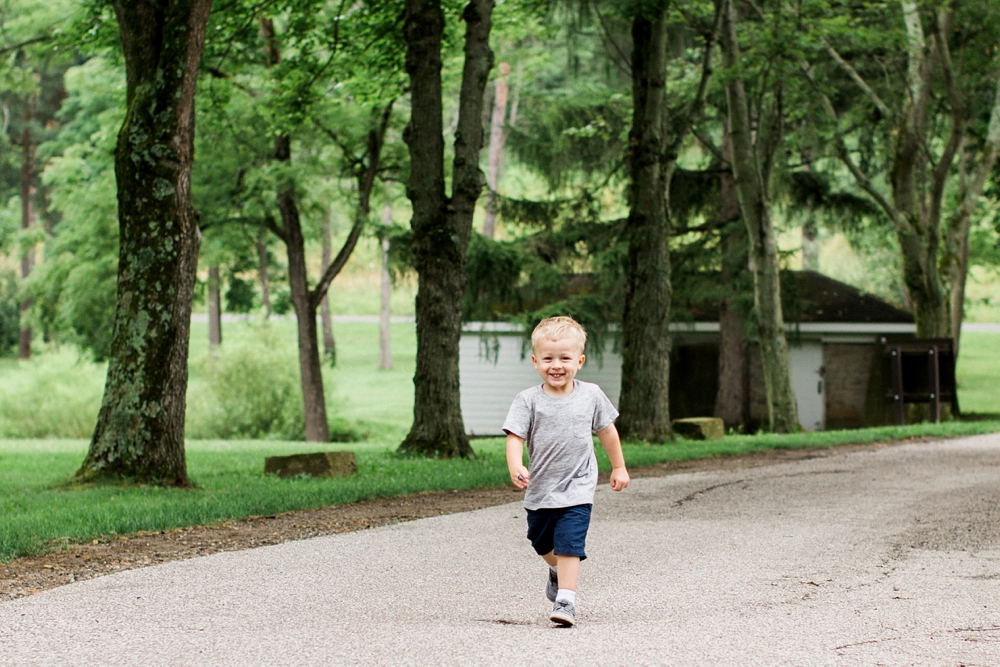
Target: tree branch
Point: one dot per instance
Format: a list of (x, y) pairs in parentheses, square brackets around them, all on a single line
[(845, 156), (705, 141), (697, 105), (27, 42), (272, 224), (366, 180), (626, 62), (853, 73)]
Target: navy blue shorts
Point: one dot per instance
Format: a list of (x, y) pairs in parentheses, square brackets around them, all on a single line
[(562, 530)]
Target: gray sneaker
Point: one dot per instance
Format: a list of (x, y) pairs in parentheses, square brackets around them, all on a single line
[(552, 587), (563, 614)]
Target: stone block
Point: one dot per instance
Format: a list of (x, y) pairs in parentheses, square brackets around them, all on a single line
[(700, 428), (319, 464)]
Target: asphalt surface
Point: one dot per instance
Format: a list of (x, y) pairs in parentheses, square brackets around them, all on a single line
[(879, 557)]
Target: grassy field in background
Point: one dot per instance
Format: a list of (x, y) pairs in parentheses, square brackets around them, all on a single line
[(41, 513), (978, 372)]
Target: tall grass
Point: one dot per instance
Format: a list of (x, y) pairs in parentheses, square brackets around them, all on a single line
[(53, 395)]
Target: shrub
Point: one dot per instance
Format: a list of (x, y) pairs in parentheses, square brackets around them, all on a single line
[(247, 389), (10, 313)]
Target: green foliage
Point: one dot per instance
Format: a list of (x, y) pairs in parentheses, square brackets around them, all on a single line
[(10, 313), (73, 292), (252, 391), (583, 130), (240, 296), (52, 395)]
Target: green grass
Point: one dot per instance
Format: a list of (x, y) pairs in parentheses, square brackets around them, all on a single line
[(978, 372), (58, 393), (39, 512)]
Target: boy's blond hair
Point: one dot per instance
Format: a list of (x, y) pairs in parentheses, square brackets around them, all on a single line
[(559, 328)]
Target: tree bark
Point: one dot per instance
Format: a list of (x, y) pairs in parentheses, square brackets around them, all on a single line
[(27, 221), (442, 226), (313, 395), (214, 306), (644, 402), (265, 282), (385, 312), (495, 153), (329, 344), (750, 169), (732, 402), (140, 428)]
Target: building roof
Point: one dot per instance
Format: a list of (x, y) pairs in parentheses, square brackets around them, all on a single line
[(812, 297)]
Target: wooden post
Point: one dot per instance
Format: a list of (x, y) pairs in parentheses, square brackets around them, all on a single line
[(934, 382), (898, 408)]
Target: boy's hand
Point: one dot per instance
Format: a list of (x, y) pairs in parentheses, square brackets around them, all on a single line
[(619, 479), (519, 476), (515, 464)]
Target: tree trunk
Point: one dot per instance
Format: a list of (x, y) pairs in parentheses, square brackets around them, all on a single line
[(732, 402), (644, 402), (810, 244), (442, 226), (310, 371), (329, 344), (751, 191), (27, 221), (265, 283), (495, 154), (140, 428), (214, 306), (385, 312), (313, 397)]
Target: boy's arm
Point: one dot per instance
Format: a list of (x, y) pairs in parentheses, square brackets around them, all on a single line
[(515, 461), (613, 446)]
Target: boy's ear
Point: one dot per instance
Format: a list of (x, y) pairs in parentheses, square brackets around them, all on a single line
[(583, 358)]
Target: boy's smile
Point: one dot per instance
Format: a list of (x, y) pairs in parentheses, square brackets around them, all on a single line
[(557, 362)]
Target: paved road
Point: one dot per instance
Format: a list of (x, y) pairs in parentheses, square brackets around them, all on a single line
[(882, 557)]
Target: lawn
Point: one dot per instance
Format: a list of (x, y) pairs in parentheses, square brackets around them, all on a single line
[(978, 372), (59, 390), (39, 511)]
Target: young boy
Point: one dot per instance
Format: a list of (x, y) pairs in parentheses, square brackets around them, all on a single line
[(558, 420)]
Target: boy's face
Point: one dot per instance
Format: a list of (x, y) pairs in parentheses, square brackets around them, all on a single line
[(557, 362)]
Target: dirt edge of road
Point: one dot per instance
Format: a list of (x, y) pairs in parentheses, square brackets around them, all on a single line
[(75, 561)]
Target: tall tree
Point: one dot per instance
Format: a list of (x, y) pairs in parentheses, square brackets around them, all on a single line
[(385, 308), (442, 225), (140, 428), (28, 178), (305, 299), (655, 139), (732, 402), (495, 154), (755, 142), (937, 123), (329, 343)]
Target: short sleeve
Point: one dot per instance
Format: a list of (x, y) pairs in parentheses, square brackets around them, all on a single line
[(605, 413), (518, 420)]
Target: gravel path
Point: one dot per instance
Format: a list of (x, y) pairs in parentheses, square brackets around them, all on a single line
[(881, 557)]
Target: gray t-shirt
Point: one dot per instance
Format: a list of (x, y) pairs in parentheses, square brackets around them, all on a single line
[(560, 439)]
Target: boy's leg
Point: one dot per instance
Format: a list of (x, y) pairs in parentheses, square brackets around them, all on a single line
[(569, 571), (550, 558)]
